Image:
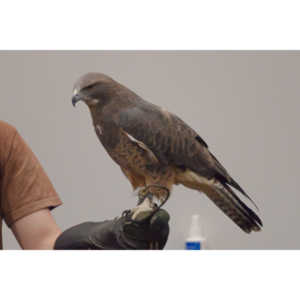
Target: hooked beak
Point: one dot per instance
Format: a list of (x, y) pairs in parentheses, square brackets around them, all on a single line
[(75, 99)]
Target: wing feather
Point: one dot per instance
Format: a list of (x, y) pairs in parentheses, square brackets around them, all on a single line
[(168, 137), (172, 141)]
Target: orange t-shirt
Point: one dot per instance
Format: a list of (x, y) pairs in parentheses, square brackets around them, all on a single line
[(24, 185)]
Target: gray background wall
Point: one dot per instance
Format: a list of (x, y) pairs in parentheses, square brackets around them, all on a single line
[(244, 104)]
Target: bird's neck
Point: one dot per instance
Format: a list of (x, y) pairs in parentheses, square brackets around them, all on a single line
[(96, 111)]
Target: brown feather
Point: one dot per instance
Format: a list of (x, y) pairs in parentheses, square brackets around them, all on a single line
[(224, 198), (154, 146)]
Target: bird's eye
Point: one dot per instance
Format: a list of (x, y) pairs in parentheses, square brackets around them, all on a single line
[(88, 87)]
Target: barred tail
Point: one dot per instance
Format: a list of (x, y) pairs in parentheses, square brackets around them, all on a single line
[(225, 198)]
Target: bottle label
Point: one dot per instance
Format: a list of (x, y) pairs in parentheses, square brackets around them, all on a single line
[(193, 246)]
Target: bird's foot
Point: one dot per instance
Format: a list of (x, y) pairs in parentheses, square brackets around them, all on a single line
[(143, 211), (151, 199), (156, 193)]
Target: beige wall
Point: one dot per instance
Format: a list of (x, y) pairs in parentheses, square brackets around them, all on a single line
[(244, 104)]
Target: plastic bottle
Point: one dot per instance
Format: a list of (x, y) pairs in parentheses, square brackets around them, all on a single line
[(195, 239)]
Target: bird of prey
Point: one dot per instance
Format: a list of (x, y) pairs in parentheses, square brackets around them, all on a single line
[(154, 147)]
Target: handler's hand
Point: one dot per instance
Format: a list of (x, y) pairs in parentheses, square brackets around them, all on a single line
[(120, 233), (150, 234)]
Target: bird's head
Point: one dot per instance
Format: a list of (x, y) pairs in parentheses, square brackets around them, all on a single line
[(92, 88)]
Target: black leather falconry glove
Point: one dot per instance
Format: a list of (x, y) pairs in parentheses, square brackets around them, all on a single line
[(117, 234)]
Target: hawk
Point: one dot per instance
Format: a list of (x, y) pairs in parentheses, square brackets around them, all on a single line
[(154, 147)]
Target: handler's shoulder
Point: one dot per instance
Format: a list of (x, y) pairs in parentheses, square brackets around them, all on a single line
[(7, 129)]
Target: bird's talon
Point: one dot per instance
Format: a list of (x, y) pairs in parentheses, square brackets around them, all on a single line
[(126, 212)]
